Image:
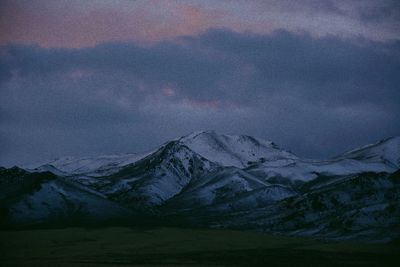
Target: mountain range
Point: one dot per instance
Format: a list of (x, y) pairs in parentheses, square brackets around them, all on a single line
[(215, 180)]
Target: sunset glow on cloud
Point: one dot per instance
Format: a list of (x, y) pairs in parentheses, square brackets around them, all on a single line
[(87, 23)]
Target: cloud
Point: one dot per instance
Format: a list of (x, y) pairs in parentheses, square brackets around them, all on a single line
[(76, 23), (315, 96)]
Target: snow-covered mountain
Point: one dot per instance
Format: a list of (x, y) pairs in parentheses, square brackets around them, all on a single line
[(383, 156), (383, 152), (218, 180)]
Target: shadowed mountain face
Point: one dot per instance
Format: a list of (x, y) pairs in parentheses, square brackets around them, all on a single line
[(216, 180)]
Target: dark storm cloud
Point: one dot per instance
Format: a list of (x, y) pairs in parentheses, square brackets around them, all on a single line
[(329, 65), (118, 97), (381, 11), (200, 66), (307, 6)]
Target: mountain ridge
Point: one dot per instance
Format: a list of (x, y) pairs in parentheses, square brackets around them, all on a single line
[(222, 181)]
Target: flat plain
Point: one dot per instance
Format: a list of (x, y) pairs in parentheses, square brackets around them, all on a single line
[(124, 246)]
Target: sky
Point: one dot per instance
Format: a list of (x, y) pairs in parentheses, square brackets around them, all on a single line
[(95, 77)]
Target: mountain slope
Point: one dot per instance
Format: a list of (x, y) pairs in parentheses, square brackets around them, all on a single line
[(89, 166), (225, 188), (32, 198), (154, 179), (364, 206)]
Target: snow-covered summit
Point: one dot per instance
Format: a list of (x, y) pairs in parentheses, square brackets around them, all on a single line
[(386, 151), (233, 150)]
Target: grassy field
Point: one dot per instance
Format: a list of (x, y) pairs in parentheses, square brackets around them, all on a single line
[(115, 246)]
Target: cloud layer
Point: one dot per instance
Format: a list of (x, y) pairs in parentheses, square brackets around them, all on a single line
[(316, 96), (76, 23)]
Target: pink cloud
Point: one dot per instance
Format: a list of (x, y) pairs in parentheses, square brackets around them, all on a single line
[(77, 23), (71, 26), (168, 91)]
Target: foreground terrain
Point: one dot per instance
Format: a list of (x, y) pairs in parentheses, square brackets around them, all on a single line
[(190, 247)]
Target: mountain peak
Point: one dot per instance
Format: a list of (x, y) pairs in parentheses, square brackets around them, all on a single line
[(233, 150), (213, 135)]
